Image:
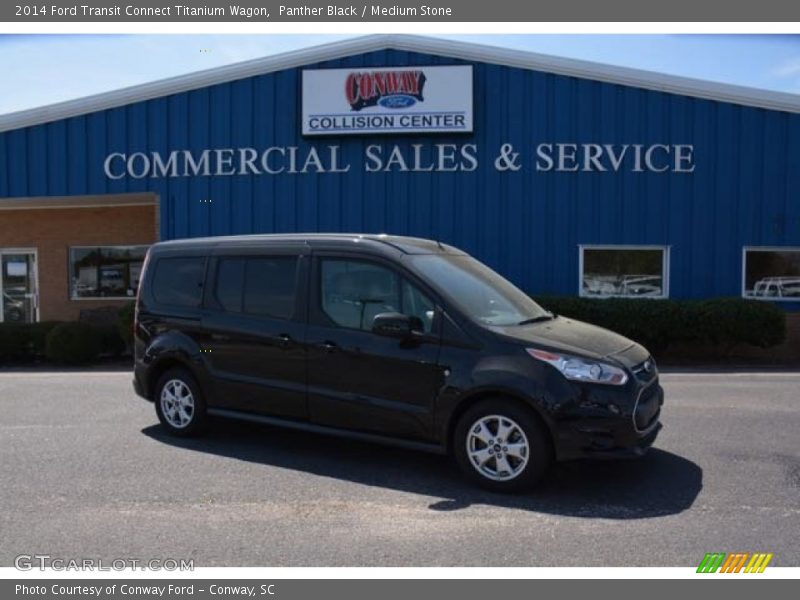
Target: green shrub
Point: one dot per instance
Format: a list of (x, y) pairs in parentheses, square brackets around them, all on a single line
[(656, 324), (23, 341), (125, 323), (14, 342), (74, 343), (111, 342), (37, 334), (731, 321)]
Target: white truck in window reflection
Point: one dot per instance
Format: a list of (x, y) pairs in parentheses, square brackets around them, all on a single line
[(641, 285), (776, 287), (599, 285), (628, 285)]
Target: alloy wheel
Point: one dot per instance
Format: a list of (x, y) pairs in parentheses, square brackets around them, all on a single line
[(177, 403), (497, 447)]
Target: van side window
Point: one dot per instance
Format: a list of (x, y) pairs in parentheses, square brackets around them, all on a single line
[(179, 281), (230, 283), (262, 286), (353, 292), (270, 286)]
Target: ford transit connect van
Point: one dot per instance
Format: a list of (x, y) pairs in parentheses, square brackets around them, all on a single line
[(387, 339)]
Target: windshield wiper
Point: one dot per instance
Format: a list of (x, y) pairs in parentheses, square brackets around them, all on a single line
[(538, 319)]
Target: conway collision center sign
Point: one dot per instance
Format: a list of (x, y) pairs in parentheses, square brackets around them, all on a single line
[(387, 100)]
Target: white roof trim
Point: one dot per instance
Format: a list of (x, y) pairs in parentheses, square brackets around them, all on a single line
[(450, 48)]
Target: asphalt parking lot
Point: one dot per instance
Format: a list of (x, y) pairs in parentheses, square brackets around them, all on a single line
[(87, 472)]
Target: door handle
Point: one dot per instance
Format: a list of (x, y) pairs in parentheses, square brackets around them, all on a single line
[(220, 337), (284, 340), (328, 346)]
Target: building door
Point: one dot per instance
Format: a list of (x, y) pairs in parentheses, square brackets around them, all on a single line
[(19, 297)]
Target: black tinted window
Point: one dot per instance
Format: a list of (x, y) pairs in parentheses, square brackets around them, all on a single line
[(264, 286), (179, 281), (353, 292), (230, 283), (270, 286)]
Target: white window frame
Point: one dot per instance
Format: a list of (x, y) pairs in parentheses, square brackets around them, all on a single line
[(665, 258), (71, 293), (745, 250)]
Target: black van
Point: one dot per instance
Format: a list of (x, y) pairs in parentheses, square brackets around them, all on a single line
[(390, 339)]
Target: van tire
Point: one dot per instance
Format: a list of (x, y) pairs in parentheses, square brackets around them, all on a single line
[(525, 454), (180, 405)]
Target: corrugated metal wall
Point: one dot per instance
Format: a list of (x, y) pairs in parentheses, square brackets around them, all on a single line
[(528, 224)]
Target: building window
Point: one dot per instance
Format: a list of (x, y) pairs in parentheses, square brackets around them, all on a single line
[(771, 273), (105, 271), (624, 271)]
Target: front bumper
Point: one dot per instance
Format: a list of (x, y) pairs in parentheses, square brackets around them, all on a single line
[(592, 432)]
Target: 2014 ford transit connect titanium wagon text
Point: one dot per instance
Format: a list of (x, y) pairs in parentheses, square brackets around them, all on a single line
[(390, 339)]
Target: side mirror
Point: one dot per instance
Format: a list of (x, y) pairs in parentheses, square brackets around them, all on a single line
[(397, 325)]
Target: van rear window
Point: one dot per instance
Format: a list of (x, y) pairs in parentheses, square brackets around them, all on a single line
[(179, 281)]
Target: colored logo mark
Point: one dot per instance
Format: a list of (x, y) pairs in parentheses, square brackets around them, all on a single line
[(389, 89), (736, 562)]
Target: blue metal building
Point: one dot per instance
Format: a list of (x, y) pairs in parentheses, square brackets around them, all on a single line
[(572, 178)]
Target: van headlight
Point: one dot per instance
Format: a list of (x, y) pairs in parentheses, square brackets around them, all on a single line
[(581, 369)]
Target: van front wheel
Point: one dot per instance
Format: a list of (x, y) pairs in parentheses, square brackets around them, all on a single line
[(502, 446)]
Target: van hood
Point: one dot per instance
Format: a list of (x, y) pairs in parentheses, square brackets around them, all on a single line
[(578, 338)]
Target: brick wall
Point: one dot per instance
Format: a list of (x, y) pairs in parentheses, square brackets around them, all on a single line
[(52, 231)]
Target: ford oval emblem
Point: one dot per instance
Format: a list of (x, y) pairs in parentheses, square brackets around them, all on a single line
[(397, 101)]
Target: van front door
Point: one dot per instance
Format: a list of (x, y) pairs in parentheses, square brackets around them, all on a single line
[(357, 379)]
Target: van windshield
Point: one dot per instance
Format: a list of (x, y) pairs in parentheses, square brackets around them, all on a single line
[(477, 291)]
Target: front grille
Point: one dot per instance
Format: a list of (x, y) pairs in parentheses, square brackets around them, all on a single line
[(647, 408), (646, 370)]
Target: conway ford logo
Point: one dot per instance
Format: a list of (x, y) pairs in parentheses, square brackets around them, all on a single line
[(389, 89)]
